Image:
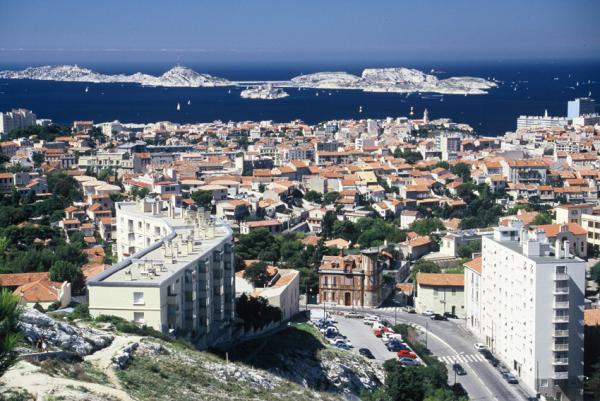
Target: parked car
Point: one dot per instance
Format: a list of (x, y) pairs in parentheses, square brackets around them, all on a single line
[(510, 378), (344, 341), (458, 369), (395, 346), (369, 320), (409, 361), (342, 345), (428, 312), (450, 315), (490, 357), (387, 337), (479, 346), (437, 316), (378, 332), (366, 353), (404, 353), (354, 315), (409, 309)]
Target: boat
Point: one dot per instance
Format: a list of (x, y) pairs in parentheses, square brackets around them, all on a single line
[(441, 99), (189, 102), (360, 109), (229, 91), (178, 106), (317, 94), (412, 113), (87, 89)]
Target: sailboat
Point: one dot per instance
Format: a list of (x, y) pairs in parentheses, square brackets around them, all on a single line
[(189, 102), (178, 106), (412, 113), (229, 91), (317, 94), (360, 109), (87, 88)]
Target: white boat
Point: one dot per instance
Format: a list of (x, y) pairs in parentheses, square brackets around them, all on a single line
[(87, 89), (189, 102), (229, 91), (317, 94), (360, 109), (412, 113), (178, 106)]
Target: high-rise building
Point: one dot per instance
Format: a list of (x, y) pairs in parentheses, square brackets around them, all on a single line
[(16, 118), (175, 272), (530, 307), (545, 121), (580, 107)]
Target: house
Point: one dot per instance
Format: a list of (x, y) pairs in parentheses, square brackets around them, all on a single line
[(572, 213), (233, 210), (44, 293), (351, 280), (440, 293), (472, 282), (578, 246), (273, 226), (414, 248)]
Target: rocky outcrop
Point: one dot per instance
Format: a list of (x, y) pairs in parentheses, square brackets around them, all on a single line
[(122, 358), (81, 341)]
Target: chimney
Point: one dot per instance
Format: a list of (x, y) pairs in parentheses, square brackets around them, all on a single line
[(557, 249)]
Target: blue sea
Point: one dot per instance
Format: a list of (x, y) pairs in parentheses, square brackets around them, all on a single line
[(542, 85)]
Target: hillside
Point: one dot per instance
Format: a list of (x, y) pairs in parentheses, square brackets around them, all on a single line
[(296, 365)]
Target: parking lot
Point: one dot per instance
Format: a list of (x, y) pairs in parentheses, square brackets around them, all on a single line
[(362, 336)]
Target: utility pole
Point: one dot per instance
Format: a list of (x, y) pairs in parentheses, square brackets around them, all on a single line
[(426, 332)]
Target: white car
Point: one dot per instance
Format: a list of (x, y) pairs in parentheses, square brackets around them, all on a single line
[(337, 341), (428, 312), (354, 315), (479, 346), (387, 337)]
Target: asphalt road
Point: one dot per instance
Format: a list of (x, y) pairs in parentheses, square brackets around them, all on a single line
[(362, 336), (450, 343)]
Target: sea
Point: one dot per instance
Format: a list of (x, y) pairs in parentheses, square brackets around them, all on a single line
[(525, 88)]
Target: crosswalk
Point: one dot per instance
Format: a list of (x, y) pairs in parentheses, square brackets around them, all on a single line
[(451, 359)]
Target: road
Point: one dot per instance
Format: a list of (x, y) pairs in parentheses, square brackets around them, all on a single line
[(452, 343)]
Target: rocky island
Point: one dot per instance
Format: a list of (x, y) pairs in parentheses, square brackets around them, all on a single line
[(266, 92)]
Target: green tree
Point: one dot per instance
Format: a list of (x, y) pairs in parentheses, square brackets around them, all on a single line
[(10, 334), (427, 226), (331, 197), (595, 273), (257, 274), (62, 270), (462, 170), (542, 218), (468, 249), (424, 266), (203, 198), (313, 196)]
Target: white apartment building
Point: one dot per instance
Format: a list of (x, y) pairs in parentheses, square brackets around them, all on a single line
[(121, 162), (531, 305), (545, 121), (16, 118), (175, 272)]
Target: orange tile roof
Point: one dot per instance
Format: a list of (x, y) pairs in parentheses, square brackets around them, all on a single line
[(475, 264), (39, 291), (552, 230), (441, 279), (17, 279), (591, 317)]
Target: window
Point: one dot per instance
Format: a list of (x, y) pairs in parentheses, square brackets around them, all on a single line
[(138, 317), (138, 298)]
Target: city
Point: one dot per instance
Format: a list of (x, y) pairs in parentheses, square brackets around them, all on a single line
[(417, 256)]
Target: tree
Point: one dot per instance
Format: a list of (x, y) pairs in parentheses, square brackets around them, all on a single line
[(595, 273), (313, 196), (427, 226), (542, 218), (256, 312), (327, 224), (462, 170), (139, 192), (203, 198), (255, 243), (257, 274), (424, 266), (10, 334), (331, 197), (64, 271), (467, 250), (592, 385)]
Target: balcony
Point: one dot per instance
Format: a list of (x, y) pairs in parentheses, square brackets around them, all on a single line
[(561, 333), (561, 290), (561, 361), (560, 319), (560, 347), (561, 305), (560, 375), (561, 276)]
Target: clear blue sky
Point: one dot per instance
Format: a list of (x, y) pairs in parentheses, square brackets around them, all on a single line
[(306, 30)]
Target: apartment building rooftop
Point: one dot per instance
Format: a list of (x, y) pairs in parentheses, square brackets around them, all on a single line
[(190, 234)]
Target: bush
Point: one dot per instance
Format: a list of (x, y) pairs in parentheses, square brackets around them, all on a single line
[(129, 327)]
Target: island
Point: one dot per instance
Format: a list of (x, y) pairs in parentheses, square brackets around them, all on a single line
[(266, 92)]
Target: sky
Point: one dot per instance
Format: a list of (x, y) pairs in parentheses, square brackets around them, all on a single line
[(279, 31)]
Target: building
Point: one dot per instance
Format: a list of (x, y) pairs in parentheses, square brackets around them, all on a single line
[(532, 299), (15, 119), (440, 293), (566, 214), (175, 272), (545, 121), (578, 246), (591, 224), (273, 226), (283, 290), (580, 107), (473, 294), (353, 280)]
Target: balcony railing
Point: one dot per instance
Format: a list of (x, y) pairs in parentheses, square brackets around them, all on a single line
[(561, 361), (561, 276), (561, 290), (560, 319), (560, 347), (561, 305), (560, 375), (561, 333)]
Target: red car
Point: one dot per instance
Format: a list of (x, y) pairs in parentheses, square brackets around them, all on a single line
[(378, 332), (404, 353)]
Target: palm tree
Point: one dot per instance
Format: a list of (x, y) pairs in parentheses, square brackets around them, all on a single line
[(9, 330)]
